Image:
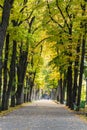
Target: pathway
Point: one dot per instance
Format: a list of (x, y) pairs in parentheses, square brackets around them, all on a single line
[(42, 115)]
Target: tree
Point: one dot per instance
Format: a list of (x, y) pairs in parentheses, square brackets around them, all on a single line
[(3, 27)]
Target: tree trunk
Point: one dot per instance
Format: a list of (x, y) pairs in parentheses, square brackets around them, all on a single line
[(67, 96), (11, 84), (76, 67), (83, 25), (21, 75), (69, 70), (64, 88), (4, 23), (81, 71), (5, 72), (31, 84), (25, 94), (61, 90), (69, 87), (3, 26), (0, 87), (31, 89)]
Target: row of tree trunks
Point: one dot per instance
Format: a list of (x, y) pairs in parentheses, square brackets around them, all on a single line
[(10, 89), (73, 90)]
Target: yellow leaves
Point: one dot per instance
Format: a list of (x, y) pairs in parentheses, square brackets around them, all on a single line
[(48, 51), (1, 3), (55, 75), (40, 80), (18, 32), (0, 16)]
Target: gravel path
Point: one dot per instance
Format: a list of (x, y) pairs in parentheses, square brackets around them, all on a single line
[(42, 115)]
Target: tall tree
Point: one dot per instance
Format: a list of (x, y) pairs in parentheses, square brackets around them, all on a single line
[(3, 27)]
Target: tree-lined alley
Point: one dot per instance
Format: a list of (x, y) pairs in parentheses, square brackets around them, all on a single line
[(42, 50)]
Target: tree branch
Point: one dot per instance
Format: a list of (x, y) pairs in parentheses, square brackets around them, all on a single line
[(52, 17), (1, 6), (26, 18), (62, 13), (41, 42), (69, 15), (35, 30), (23, 8), (30, 23)]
